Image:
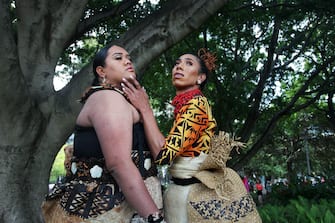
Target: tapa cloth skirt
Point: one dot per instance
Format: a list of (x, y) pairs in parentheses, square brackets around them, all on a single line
[(90, 194), (53, 212), (220, 197)]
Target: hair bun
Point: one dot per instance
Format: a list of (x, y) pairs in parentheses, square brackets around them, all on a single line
[(208, 58)]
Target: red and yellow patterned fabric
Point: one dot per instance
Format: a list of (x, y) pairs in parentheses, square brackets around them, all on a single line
[(193, 127)]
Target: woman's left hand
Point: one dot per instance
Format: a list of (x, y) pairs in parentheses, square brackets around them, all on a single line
[(136, 94)]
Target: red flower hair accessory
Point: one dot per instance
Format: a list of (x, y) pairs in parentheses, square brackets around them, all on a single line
[(208, 58)]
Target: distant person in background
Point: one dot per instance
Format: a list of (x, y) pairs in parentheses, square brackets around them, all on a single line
[(268, 186), (246, 183), (259, 191)]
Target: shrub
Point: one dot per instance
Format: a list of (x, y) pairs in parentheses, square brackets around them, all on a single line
[(300, 210)]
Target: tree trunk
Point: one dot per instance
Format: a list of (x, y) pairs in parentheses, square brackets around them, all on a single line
[(21, 187), (36, 120)]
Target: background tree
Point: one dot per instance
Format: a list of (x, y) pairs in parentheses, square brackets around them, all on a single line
[(36, 36), (276, 64)]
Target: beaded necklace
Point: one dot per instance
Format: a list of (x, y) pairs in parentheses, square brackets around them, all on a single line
[(181, 99)]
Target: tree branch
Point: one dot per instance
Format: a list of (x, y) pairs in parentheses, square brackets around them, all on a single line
[(331, 110), (298, 39), (289, 109), (166, 27), (89, 23), (256, 96), (173, 22), (44, 28)]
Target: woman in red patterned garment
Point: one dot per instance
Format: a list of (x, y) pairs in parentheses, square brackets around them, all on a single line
[(188, 142), (201, 191)]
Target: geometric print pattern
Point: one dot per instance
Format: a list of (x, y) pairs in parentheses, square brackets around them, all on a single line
[(88, 197), (223, 209), (191, 132), (79, 201)]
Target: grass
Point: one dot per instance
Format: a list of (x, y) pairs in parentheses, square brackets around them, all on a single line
[(58, 169)]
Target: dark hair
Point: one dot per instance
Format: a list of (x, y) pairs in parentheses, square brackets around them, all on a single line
[(203, 69), (99, 60)]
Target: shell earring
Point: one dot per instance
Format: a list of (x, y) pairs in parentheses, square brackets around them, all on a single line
[(103, 81)]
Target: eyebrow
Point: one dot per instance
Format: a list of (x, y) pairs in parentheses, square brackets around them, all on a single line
[(120, 54), (187, 58), (117, 54)]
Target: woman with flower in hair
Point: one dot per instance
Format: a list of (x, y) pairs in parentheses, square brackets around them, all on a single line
[(193, 124), (186, 149)]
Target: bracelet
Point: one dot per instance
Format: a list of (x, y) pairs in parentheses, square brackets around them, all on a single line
[(156, 217)]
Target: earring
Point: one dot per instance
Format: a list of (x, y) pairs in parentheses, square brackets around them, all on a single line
[(103, 81), (198, 82)]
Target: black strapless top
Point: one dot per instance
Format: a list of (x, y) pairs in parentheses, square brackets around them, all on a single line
[(86, 142)]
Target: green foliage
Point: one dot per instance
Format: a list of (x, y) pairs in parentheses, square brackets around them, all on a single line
[(58, 169), (81, 52), (249, 90), (282, 194), (75, 56), (241, 35), (300, 210)]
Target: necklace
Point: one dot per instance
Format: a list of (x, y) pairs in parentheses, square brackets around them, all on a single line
[(181, 99)]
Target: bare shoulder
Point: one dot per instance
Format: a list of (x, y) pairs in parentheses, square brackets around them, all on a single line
[(107, 102)]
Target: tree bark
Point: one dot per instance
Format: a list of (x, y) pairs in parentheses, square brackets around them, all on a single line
[(36, 120)]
